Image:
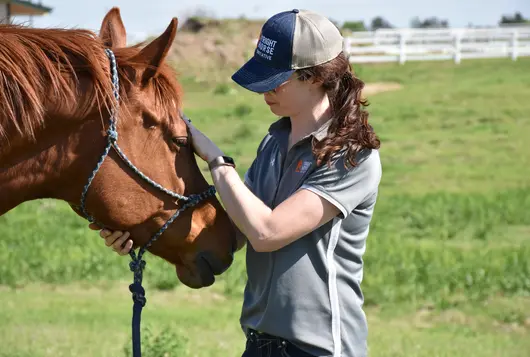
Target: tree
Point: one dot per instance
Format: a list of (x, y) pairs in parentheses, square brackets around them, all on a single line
[(516, 19), (380, 23), (354, 26), (431, 22)]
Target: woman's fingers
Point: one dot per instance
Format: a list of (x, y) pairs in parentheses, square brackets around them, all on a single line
[(119, 242), (105, 233), (110, 237), (126, 248)]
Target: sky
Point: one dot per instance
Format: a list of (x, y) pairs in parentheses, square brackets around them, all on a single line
[(145, 18)]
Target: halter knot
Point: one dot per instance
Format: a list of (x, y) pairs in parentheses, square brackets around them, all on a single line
[(138, 293), (193, 199), (113, 134), (137, 266)]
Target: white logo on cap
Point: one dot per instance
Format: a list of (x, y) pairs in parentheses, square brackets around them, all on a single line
[(266, 47)]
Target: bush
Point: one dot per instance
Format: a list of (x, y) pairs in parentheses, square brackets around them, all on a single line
[(166, 343)]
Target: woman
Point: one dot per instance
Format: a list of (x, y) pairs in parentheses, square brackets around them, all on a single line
[(307, 200)]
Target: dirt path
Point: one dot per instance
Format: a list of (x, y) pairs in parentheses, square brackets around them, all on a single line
[(379, 87)]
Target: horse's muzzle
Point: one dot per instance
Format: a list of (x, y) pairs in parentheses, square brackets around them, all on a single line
[(208, 264), (201, 273)]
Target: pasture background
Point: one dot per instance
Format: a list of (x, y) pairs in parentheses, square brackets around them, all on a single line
[(447, 267)]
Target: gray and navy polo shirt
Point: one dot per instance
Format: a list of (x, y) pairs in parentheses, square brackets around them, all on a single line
[(308, 292)]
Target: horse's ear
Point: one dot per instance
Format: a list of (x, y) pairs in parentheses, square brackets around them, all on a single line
[(112, 30), (154, 54)]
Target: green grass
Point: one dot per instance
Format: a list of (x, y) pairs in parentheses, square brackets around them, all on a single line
[(451, 230), (83, 321)]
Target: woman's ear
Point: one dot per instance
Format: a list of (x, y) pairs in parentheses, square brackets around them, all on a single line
[(317, 82), (310, 79)]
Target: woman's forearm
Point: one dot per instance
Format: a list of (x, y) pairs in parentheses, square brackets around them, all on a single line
[(247, 211)]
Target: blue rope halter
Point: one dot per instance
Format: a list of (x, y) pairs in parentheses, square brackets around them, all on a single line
[(137, 264)]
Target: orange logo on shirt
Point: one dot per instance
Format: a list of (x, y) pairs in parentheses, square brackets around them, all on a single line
[(302, 166), (299, 166)]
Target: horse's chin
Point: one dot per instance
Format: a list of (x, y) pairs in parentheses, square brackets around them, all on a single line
[(195, 278)]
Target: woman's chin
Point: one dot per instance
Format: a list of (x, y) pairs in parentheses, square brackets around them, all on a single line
[(277, 111)]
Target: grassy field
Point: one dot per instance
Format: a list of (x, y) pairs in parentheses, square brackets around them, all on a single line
[(80, 320), (448, 259)]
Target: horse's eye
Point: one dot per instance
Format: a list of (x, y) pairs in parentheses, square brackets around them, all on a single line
[(180, 141)]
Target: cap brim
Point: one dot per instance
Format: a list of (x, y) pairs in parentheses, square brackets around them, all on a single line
[(260, 78)]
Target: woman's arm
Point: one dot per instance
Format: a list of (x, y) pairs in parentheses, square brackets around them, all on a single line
[(268, 230), (265, 229)]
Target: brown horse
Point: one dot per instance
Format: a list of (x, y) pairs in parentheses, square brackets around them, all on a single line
[(56, 94)]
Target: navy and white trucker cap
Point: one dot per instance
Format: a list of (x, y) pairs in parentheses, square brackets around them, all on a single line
[(288, 41)]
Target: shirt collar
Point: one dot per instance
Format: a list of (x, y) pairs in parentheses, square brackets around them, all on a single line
[(283, 127)]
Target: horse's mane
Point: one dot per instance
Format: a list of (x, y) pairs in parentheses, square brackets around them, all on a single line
[(39, 65)]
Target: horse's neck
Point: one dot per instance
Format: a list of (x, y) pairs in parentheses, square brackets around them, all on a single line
[(51, 167)]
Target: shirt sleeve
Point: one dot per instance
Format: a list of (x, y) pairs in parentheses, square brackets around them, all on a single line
[(250, 174), (347, 188)]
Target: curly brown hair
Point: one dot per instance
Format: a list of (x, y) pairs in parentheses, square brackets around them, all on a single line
[(349, 128)]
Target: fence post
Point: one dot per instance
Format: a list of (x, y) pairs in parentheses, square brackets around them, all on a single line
[(457, 47), (514, 45), (402, 46)]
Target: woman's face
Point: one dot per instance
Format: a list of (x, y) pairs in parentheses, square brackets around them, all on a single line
[(292, 97)]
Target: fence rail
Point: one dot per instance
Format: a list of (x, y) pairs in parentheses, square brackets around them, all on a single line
[(407, 44)]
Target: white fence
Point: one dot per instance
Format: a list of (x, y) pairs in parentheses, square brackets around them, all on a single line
[(407, 44)]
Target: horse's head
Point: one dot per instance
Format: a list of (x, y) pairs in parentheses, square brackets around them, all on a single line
[(201, 241)]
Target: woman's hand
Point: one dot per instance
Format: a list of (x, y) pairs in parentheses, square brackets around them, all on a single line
[(117, 240), (203, 146)]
